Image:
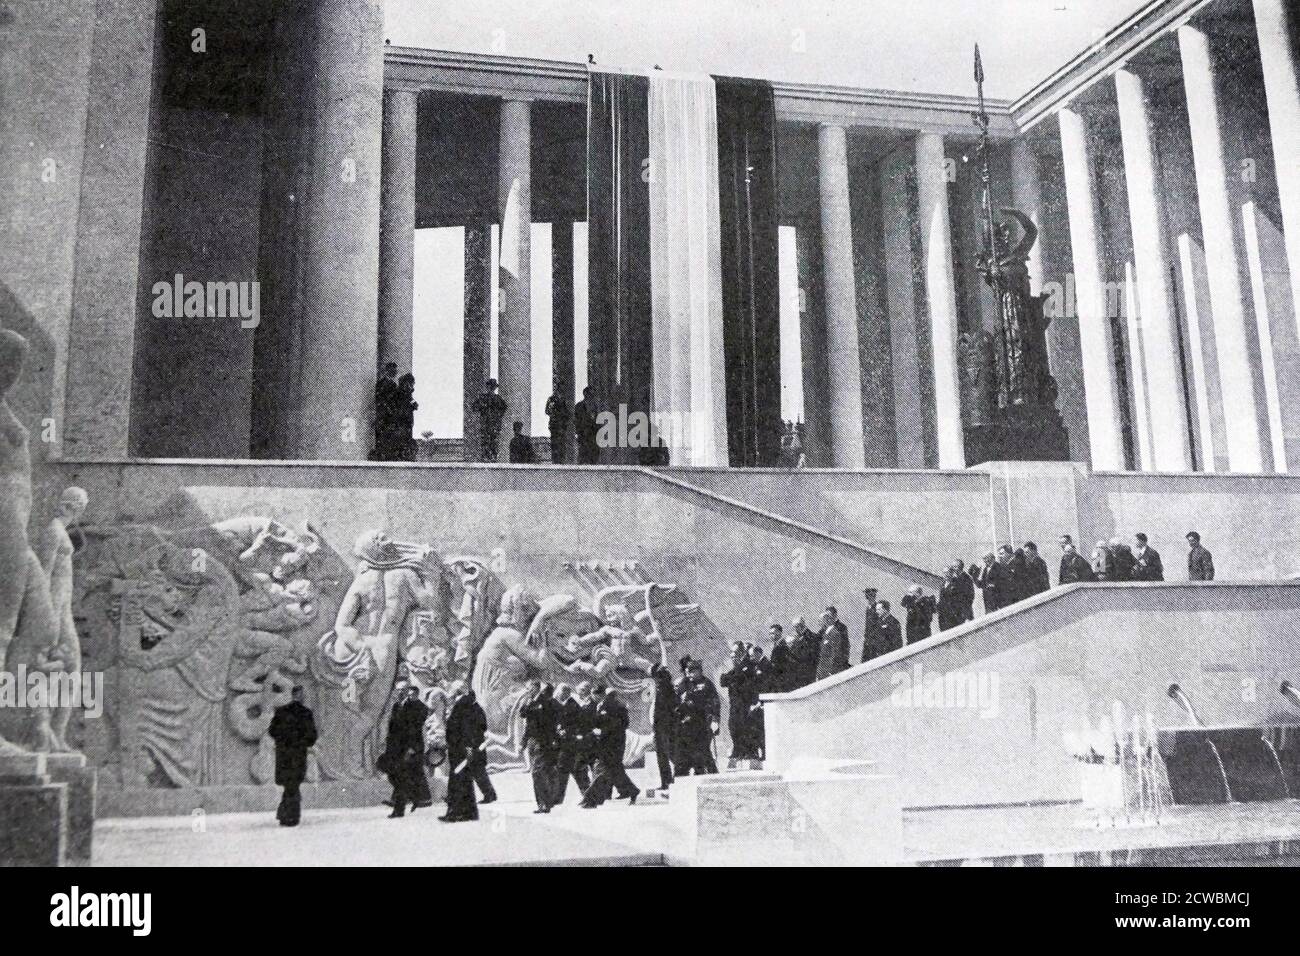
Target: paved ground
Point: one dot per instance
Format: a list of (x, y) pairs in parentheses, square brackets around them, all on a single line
[(619, 834), (508, 832)]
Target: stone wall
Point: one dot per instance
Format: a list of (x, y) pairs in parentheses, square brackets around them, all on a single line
[(550, 531), (1250, 522)]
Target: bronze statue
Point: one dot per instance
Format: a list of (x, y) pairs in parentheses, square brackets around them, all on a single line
[(1020, 339)]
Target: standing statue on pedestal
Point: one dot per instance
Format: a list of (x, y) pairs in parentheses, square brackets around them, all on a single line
[(1020, 341), (29, 630), (65, 656), (1009, 394)]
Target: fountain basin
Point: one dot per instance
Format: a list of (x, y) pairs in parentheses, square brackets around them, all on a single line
[(1253, 763)]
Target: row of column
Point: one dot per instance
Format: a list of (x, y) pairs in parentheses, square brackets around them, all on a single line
[(1157, 366), (844, 369), (324, 361), (1157, 372), (397, 244)]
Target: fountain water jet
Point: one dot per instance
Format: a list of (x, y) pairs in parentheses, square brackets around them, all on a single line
[(1176, 693)]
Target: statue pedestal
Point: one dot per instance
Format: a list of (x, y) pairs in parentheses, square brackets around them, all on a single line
[(33, 813), (71, 769), (1019, 433)]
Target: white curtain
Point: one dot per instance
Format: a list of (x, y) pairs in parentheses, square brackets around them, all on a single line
[(686, 269)]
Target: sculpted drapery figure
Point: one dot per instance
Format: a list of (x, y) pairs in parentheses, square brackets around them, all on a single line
[(355, 664)]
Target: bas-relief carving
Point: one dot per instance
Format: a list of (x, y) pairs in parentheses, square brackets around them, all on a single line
[(204, 631)]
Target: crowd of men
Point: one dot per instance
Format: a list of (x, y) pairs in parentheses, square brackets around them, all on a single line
[(491, 410), (395, 407), (1003, 578), (581, 732)]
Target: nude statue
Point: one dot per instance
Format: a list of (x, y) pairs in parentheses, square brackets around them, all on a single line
[(356, 662), (28, 628), (66, 652), (613, 645)]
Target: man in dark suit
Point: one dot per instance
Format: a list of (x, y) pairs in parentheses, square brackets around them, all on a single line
[(966, 584), (833, 650), (1200, 563), (611, 741), (997, 580), (952, 598), (804, 648), (1074, 566), (557, 422), (584, 425), (699, 710), (891, 633), (1037, 578), (466, 732), (871, 633), (293, 728), (1122, 561), (521, 446), (541, 721), (741, 697), (573, 733), (491, 409), (403, 757), (1147, 565), (920, 611), (781, 661)]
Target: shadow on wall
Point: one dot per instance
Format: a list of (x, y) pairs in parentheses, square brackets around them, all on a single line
[(32, 399), (202, 617)]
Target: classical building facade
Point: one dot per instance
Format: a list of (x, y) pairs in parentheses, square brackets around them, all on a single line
[(301, 152)]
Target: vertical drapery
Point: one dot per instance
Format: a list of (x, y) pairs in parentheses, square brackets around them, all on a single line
[(686, 270), (746, 113), (618, 242)]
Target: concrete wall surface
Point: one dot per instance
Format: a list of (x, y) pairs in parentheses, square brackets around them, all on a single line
[(976, 716)]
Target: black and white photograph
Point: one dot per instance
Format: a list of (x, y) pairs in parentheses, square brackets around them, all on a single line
[(651, 433)]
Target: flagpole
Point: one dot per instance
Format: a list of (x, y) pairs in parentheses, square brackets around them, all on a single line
[(982, 121)]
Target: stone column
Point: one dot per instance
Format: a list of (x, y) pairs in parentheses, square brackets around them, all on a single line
[(514, 198), (397, 229), (900, 307), (843, 366), (941, 296), (562, 317), (1166, 406), (1282, 89), (1227, 295), (477, 360), (1095, 345), (101, 333), (317, 343)]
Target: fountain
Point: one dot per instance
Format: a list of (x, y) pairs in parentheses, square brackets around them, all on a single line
[(1245, 764), (1120, 770)]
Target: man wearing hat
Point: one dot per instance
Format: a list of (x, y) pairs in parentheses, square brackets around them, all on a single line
[(491, 409), (698, 712)]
